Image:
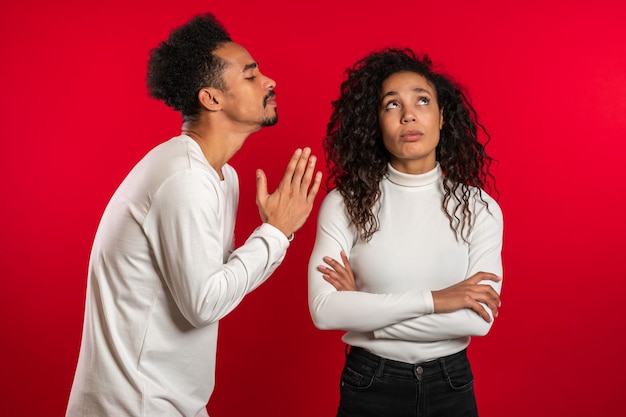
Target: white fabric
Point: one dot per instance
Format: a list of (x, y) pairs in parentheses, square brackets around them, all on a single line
[(414, 252), (162, 273)]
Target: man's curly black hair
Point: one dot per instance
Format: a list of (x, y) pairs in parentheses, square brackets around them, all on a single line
[(184, 64), (357, 159)]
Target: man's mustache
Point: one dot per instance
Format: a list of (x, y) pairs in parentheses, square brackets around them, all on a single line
[(269, 95)]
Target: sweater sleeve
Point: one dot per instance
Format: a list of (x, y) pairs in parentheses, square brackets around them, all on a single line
[(185, 230), (345, 310), (485, 247)]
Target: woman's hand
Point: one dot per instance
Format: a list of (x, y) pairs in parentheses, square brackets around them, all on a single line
[(340, 276), (469, 294)]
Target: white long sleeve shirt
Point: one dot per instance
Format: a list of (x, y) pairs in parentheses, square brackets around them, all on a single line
[(163, 271), (413, 253)]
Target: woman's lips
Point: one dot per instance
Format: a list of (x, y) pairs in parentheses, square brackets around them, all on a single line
[(411, 135)]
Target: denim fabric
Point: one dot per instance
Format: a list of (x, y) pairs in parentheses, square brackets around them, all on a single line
[(372, 386)]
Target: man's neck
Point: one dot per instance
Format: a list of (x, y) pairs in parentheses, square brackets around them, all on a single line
[(217, 141)]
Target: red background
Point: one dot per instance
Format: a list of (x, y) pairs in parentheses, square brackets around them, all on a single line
[(548, 81)]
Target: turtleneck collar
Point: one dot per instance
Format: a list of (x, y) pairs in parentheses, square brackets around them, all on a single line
[(412, 180)]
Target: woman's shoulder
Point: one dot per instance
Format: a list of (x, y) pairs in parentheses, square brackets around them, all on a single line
[(480, 201), (333, 197), (333, 204), (485, 204)]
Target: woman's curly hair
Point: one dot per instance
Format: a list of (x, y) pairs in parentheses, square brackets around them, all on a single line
[(184, 64), (357, 159)]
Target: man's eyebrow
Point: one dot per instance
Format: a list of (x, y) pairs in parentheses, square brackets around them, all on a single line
[(250, 66)]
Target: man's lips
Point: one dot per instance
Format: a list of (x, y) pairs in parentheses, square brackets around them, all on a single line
[(270, 99)]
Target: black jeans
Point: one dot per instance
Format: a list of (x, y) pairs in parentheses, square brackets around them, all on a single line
[(372, 386)]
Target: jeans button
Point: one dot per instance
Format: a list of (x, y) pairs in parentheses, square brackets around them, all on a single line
[(419, 370)]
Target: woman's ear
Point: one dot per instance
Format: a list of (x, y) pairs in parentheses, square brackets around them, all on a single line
[(441, 121)]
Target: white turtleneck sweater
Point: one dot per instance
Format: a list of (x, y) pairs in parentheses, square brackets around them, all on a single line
[(413, 253)]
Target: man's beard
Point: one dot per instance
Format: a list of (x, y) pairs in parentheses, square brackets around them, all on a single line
[(269, 121)]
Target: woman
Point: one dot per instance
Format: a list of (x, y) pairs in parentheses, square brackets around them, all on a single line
[(407, 257)]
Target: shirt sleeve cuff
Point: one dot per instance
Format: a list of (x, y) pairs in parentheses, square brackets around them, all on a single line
[(271, 231)]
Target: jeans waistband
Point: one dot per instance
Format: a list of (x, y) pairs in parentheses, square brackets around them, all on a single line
[(403, 369)]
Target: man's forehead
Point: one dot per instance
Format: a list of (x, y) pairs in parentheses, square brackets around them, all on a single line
[(236, 56)]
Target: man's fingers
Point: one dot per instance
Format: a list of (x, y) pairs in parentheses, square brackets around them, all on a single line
[(261, 185), (296, 167), (301, 167), (299, 171), (288, 207), (312, 192), (291, 167), (305, 181)]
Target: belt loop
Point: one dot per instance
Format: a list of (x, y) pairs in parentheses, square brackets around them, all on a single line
[(443, 366), (381, 366)]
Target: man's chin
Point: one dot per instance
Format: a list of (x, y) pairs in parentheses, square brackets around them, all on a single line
[(269, 121)]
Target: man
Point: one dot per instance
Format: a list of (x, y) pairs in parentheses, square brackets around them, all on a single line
[(163, 269)]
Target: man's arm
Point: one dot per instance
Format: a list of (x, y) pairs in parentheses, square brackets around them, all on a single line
[(187, 239)]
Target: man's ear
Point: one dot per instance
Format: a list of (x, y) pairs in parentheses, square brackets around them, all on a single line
[(210, 99)]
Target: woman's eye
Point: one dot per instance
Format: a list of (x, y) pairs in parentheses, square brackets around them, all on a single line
[(422, 101), (391, 105), (252, 77)]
